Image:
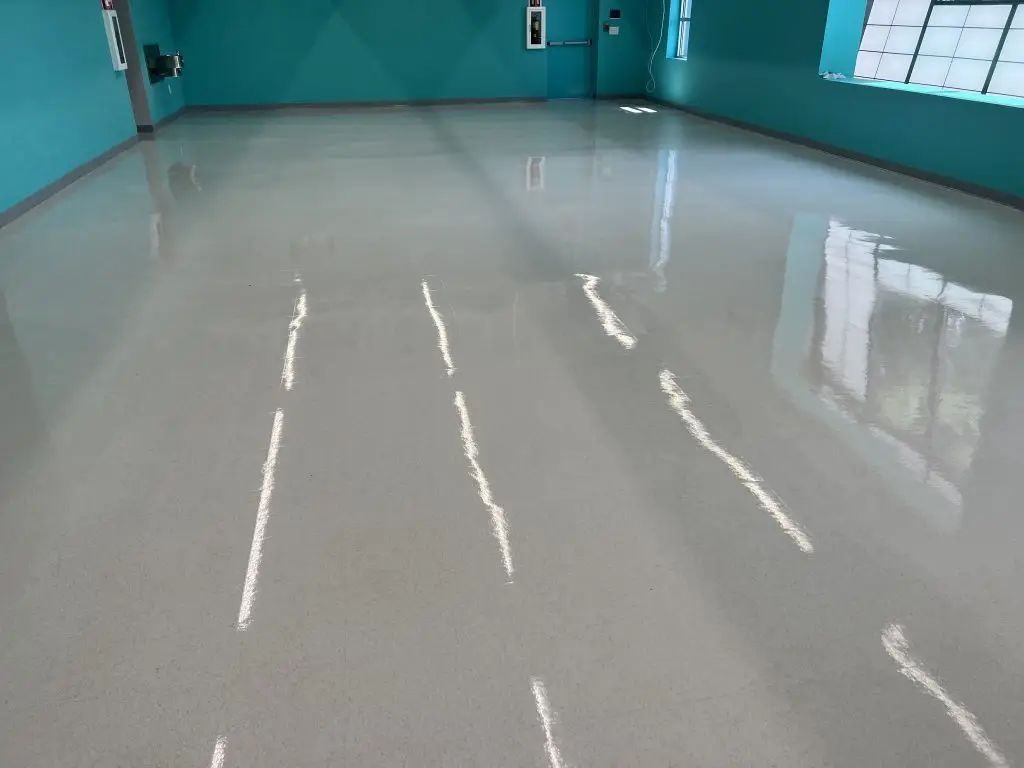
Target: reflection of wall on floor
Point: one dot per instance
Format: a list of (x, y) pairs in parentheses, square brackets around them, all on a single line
[(993, 491), (73, 276), (664, 211), (22, 428), (892, 356)]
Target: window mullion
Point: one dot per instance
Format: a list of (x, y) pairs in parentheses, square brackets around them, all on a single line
[(999, 48), (920, 39)]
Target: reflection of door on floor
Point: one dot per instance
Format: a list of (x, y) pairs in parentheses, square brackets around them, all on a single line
[(570, 27), (137, 73)]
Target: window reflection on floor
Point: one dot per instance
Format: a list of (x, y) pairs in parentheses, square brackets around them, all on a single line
[(900, 354)]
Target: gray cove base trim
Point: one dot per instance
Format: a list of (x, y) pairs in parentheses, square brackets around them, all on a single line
[(330, 106), (41, 196), (151, 129), (995, 195), (69, 178)]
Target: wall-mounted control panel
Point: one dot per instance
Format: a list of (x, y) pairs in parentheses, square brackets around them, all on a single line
[(536, 28), (114, 38), (614, 18)]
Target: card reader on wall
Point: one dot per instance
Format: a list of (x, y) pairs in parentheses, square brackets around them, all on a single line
[(162, 65)]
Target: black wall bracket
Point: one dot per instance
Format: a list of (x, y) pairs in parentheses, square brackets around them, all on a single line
[(161, 65)]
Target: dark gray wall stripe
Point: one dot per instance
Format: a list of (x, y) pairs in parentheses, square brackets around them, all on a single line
[(30, 202), (345, 105), (995, 195)]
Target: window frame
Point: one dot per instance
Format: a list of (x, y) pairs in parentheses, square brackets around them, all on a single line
[(683, 20), (1013, 22)]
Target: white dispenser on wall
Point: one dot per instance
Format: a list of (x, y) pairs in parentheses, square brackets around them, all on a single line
[(536, 27), (114, 38)]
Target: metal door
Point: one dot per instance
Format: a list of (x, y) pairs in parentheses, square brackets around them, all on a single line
[(571, 31)]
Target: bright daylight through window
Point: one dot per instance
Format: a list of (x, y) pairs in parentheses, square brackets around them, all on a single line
[(963, 45), (683, 43)]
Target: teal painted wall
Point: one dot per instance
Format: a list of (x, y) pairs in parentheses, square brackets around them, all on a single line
[(758, 62), (272, 52), (61, 103), (621, 59), (842, 36), (152, 21)]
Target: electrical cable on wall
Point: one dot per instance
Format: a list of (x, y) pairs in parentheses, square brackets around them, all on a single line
[(652, 82)]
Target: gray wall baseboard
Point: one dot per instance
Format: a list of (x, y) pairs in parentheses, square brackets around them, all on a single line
[(32, 201), (38, 198), (168, 119), (147, 132), (151, 129), (327, 106), (995, 195)]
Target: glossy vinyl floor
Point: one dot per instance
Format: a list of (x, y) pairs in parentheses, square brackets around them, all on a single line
[(509, 436)]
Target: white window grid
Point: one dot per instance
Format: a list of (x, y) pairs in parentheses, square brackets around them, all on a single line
[(962, 45), (683, 42)]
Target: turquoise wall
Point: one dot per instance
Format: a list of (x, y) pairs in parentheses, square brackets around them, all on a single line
[(272, 52), (152, 22), (758, 63), (61, 102), (621, 59), (842, 36)]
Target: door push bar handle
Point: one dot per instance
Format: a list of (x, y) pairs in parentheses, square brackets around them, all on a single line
[(555, 43)]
